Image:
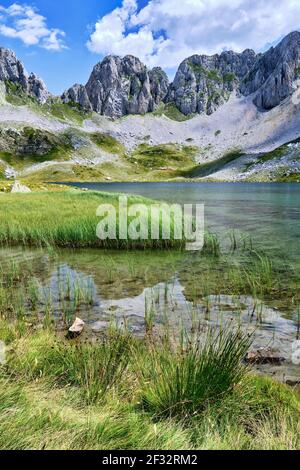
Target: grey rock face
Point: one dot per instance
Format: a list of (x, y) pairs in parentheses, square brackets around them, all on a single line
[(13, 70), (203, 83), (37, 88), (118, 87), (77, 94), (274, 73), (159, 85)]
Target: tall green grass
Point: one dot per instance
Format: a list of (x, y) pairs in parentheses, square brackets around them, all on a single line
[(211, 245), (59, 395), (94, 370), (65, 219), (36, 417), (182, 381), (174, 381)]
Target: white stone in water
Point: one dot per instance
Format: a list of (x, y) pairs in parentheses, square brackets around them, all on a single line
[(77, 327)]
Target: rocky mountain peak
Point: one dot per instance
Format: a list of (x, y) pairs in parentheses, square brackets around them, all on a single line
[(274, 73), (12, 70), (120, 86), (77, 94), (203, 82), (37, 88)]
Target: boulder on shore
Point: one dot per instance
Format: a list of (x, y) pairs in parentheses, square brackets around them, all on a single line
[(76, 329), (20, 188)]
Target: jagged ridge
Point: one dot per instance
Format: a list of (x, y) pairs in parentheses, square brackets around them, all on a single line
[(202, 83), (122, 86)]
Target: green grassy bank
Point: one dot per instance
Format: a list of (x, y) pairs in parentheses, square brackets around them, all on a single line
[(64, 219), (122, 393)]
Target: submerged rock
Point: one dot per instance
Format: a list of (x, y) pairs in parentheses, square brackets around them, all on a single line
[(100, 326), (293, 382), (264, 356)]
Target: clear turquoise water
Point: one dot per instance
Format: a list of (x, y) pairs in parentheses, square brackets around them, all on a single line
[(269, 213)]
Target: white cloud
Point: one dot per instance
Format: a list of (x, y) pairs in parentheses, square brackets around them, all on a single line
[(165, 32), (25, 23), (111, 34)]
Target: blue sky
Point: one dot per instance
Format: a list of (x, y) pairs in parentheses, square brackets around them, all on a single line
[(62, 40), (60, 69)]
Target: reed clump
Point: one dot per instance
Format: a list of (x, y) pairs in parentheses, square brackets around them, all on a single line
[(182, 381)]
